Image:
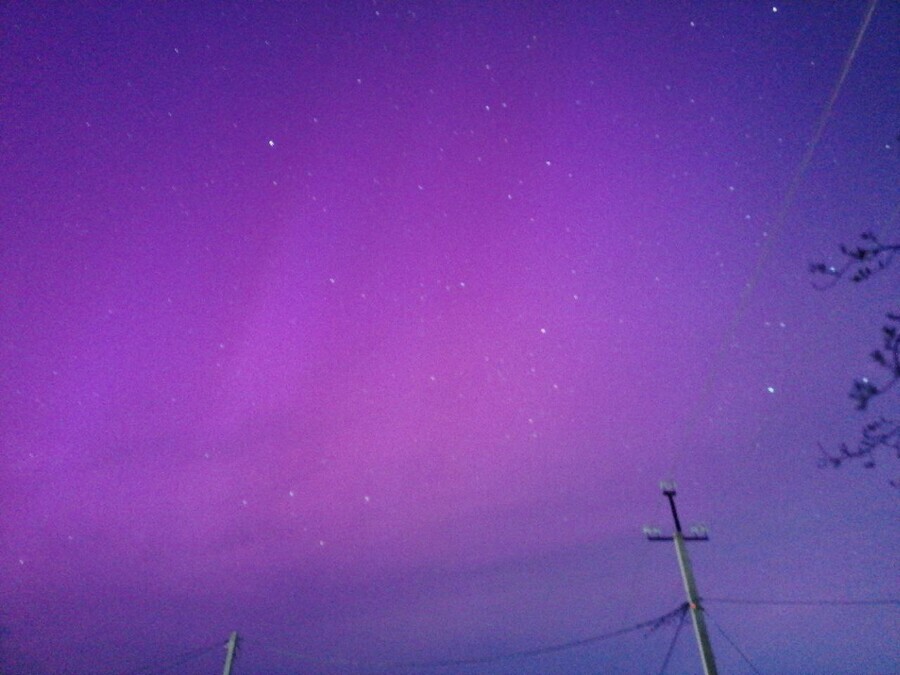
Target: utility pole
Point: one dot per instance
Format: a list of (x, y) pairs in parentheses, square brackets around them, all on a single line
[(230, 648), (698, 533)]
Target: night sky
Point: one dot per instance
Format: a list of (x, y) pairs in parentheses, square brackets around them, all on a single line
[(368, 330)]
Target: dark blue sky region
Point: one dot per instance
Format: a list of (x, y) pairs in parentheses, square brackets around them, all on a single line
[(369, 329)]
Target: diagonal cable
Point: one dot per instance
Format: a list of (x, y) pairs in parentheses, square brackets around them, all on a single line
[(649, 625), (674, 640), (174, 661), (733, 644), (718, 356), (325, 660)]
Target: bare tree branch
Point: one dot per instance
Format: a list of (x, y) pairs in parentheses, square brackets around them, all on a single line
[(880, 433), (888, 357), (860, 263)]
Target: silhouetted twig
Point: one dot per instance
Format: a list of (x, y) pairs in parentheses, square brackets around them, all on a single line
[(870, 257), (860, 263)]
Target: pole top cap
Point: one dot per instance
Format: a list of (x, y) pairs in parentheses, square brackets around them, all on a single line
[(667, 487)]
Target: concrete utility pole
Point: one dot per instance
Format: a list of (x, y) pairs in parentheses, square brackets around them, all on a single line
[(687, 576), (230, 647)]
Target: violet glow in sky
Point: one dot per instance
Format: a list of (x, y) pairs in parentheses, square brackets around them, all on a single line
[(368, 330)]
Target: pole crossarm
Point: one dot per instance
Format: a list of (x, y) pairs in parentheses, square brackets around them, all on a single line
[(651, 536)]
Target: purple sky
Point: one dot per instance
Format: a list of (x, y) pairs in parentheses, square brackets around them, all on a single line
[(368, 330)]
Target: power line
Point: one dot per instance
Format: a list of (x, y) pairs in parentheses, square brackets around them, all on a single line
[(671, 649), (734, 644), (174, 661), (649, 625), (718, 356), (325, 660), (742, 601)]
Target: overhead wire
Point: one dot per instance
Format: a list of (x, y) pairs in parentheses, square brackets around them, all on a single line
[(781, 603), (650, 625), (174, 661), (733, 644), (713, 373), (671, 649), (815, 603), (323, 660)]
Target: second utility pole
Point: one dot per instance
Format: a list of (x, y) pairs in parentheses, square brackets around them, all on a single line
[(687, 576), (230, 648)]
